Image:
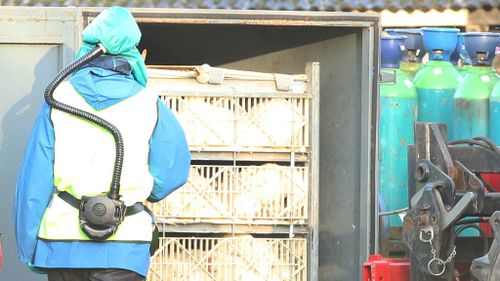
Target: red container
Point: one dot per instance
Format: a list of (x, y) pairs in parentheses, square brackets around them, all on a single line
[(385, 269)]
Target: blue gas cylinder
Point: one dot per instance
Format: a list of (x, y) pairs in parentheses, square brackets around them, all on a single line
[(437, 81), (398, 109)]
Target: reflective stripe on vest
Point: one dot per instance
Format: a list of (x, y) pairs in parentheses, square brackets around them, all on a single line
[(84, 161)]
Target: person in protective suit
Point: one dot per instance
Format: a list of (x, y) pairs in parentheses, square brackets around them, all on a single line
[(69, 155)]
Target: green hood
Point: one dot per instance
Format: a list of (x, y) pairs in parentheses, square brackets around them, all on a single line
[(116, 29)]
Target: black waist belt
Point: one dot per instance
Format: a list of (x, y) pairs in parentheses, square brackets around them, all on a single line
[(75, 202)]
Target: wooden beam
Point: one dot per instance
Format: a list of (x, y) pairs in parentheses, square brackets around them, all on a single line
[(418, 18)]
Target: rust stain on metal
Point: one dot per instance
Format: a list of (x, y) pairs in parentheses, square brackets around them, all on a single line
[(464, 104), (284, 22), (269, 22), (407, 224), (21, 20)]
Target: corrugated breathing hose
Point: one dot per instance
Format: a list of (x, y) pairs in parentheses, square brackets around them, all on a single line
[(48, 95)]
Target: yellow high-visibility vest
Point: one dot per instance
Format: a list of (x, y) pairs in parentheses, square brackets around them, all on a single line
[(84, 160)]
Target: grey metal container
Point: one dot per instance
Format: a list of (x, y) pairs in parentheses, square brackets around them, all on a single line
[(36, 42)]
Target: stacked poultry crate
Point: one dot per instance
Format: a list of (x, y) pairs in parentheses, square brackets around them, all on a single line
[(244, 213)]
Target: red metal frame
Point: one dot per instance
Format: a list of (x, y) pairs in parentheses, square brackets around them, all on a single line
[(493, 181), (378, 268)]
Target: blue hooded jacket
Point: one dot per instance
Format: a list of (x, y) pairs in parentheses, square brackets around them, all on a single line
[(102, 83)]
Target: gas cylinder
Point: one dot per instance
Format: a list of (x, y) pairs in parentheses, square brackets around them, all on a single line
[(438, 79), (398, 109), (471, 100), (411, 60), (494, 125), (495, 114)]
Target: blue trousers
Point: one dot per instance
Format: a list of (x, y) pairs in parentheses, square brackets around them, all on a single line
[(90, 274)]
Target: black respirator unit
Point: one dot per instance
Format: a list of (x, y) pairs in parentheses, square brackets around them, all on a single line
[(99, 215)]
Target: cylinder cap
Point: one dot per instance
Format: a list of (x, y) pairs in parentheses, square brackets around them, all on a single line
[(481, 42), (459, 51), (390, 50), (439, 42), (413, 42)]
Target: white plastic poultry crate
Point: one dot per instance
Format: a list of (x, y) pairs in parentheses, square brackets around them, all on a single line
[(233, 110), (264, 194), (237, 258)]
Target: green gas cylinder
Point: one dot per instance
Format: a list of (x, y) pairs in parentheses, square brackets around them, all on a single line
[(495, 114), (471, 103), (471, 100), (472, 97), (398, 109), (437, 81), (493, 180)]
